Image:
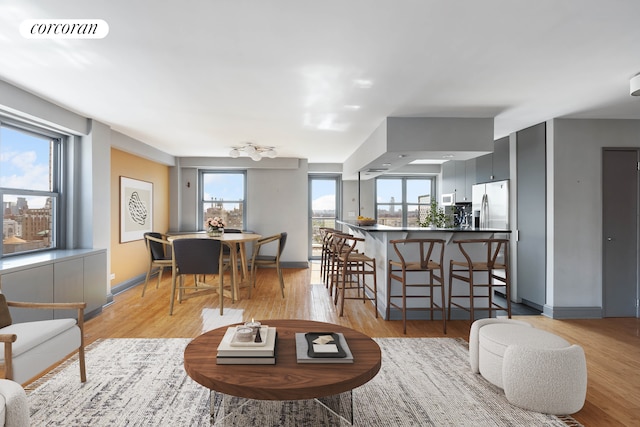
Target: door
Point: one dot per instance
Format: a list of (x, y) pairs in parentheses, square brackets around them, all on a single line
[(324, 206), (531, 210), (620, 232)]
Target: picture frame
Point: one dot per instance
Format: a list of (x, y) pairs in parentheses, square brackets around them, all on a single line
[(136, 209)]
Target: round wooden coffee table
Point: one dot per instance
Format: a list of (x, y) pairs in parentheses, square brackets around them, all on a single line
[(287, 379)]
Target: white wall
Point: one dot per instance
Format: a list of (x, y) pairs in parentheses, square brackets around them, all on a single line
[(574, 192), (277, 199)]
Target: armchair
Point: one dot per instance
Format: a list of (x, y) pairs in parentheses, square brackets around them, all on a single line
[(32, 347)]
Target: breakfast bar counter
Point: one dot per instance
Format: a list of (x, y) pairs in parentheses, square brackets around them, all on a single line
[(376, 245)]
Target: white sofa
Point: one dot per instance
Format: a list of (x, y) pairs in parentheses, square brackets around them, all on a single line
[(14, 408)]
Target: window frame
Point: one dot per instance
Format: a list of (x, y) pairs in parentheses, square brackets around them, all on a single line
[(57, 192), (202, 201), (404, 205)]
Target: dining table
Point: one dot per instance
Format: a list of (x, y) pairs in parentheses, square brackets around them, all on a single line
[(236, 242)]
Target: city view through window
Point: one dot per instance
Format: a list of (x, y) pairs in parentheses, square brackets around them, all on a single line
[(223, 197), (323, 209), (28, 190), (398, 200)]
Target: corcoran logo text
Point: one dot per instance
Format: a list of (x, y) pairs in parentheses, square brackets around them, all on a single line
[(64, 28)]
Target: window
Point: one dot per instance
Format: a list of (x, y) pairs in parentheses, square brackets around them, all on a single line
[(324, 208), (30, 181), (398, 199), (222, 194)]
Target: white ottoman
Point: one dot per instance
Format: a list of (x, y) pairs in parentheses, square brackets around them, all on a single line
[(553, 381), (474, 338), (495, 338)]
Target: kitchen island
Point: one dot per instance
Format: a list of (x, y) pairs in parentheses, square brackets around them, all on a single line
[(376, 245)]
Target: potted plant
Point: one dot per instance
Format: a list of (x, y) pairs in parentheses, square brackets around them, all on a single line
[(436, 217)]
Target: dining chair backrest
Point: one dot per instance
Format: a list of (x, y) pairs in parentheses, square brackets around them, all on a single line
[(197, 256), (283, 242), (156, 248)]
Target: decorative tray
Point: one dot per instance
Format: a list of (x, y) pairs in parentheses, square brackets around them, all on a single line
[(338, 351)]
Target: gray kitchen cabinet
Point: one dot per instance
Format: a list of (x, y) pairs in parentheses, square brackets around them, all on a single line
[(469, 178), (494, 166), (465, 178), (484, 168), (30, 285), (500, 160), (448, 177), (459, 180), (458, 176)]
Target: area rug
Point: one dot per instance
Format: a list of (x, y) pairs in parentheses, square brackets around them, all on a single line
[(142, 382)]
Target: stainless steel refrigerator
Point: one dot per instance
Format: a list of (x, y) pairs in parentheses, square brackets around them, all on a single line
[(490, 202)]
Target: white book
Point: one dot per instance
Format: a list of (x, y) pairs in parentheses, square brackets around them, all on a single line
[(302, 347), (228, 348)]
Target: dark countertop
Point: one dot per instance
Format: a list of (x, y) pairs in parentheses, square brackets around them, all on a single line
[(378, 228)]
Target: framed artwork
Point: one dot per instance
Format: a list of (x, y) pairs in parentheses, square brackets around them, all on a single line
[(136, 209)]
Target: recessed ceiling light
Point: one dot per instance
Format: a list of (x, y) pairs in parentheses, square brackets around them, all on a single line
[(352, 107), (386, 165), (427, 162), (402, 156), (448, 156)]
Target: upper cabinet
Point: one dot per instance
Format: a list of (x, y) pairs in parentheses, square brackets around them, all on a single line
[(449, 177), (494, 166), (458, 176)]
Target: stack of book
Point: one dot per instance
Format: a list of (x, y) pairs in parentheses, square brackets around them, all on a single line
[(234, 352), (322, 347)]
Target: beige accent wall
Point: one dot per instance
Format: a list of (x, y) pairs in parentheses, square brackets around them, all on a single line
[(129, 260)]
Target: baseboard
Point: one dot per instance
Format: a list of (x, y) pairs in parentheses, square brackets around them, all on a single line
[(572, 312), (294, 264), (132, 282)]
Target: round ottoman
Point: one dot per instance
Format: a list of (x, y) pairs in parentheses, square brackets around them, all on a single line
[(495, 338), (553, 381)]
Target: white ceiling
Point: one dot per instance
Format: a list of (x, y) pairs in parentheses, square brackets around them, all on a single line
[(195, 77)]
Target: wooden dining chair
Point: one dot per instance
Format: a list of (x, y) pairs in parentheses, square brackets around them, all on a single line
[(262, 260), (159, 255), (197, 257)]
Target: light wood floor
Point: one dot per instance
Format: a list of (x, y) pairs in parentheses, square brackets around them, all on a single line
[(612, 346)]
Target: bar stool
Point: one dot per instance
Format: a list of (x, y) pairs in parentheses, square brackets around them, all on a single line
[(431, 253), (353, 267), (325, 254), (493, 260), (336, 246)]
